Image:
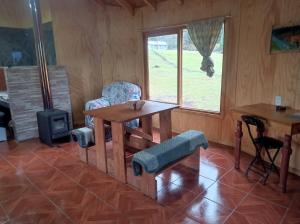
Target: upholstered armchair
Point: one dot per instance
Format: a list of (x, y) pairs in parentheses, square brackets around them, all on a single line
[(114, 93)]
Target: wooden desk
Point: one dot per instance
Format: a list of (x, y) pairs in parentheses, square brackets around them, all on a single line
[(118, 115), (288, 118)]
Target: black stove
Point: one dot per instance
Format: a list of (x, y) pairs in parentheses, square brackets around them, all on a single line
[(53, 124)]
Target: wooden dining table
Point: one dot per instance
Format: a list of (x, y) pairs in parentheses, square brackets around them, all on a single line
[(118, 115), (286, 122)]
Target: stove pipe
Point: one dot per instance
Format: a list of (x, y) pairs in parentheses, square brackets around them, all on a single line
[(40, 53)]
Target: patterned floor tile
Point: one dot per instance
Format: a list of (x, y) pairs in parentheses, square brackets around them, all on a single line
[(182, 219), (11, 177), (83, 207), (5, 167), (84, 175), (212, 172), (147, 211), (32, 207), (125, 198), (49, 155), (273, 193), (175, 197), (192, 181), (224, 161), (3, 216), (237, 218), (20, 159), (257, 210), (292, 217), (238, 180), (224, 195), (295, 204), (9, 192), (205, 211)]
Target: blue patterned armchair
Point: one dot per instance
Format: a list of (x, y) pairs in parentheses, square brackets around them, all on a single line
[(114, 93)]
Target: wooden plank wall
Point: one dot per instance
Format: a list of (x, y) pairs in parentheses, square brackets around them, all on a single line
[(17, 14), (78, 48), (121, 45)]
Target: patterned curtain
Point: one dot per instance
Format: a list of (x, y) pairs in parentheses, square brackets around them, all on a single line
[(204, 35)]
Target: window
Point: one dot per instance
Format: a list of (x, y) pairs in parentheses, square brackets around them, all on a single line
[(174, 73), (163, 68)]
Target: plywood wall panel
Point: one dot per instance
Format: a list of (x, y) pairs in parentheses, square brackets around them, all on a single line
[(15, 14), (119, 46), (286, 76), (255, 64), (77, 47), (183, 120)]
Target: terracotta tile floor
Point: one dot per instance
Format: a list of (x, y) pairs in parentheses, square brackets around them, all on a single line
[(39, 184)]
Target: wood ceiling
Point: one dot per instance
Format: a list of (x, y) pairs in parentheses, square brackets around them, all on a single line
[(131, 5)]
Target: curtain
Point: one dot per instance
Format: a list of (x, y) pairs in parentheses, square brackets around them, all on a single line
[(204, 34)]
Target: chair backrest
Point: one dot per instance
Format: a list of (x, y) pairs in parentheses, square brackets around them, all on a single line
[(251, 120), (121, 92)]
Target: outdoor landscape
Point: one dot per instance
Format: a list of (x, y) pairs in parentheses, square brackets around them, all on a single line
[(199, 91)]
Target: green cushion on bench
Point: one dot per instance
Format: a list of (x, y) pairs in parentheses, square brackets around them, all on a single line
[(155, 158)]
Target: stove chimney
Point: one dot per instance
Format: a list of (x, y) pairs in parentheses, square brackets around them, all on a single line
[(40, 53)]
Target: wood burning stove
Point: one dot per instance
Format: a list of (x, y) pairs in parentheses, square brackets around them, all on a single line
[(53, 124)]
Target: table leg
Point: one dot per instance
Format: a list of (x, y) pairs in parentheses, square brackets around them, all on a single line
[(147, 124), (100, 145), (285, 160), (165, 125), (238, 142), (118, 151)]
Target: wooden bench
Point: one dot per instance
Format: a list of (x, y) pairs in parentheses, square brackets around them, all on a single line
[(148, 185), (147, 182)]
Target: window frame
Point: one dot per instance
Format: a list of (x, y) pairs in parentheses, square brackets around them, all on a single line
[(178, 30)]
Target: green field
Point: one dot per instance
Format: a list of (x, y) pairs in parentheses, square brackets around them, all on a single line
[(199, 91)]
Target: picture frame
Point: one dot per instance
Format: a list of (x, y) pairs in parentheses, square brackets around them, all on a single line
[(285, 39)]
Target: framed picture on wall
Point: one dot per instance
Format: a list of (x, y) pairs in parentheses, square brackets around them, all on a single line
[(285, 39)]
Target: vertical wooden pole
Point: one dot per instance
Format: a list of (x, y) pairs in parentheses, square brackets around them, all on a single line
[(100, 144), (179, 66), (147, 125), (118, 151), (238, 142), (165, 125), (146, 69), (285, 160)]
